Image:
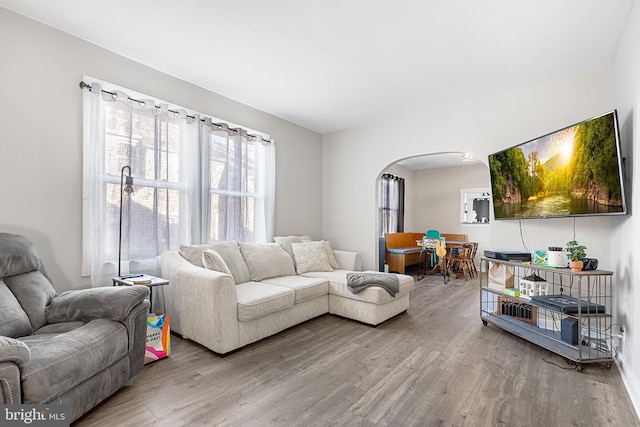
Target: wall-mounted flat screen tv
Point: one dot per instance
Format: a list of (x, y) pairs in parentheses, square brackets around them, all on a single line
[(574, 171)]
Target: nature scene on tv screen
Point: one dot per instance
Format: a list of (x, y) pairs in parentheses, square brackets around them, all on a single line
[(570, 172)]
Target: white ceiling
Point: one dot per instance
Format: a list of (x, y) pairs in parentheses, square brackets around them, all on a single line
[(439, 160), (329, 65)]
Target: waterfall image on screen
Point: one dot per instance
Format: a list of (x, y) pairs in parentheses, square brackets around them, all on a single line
[(571, 172)]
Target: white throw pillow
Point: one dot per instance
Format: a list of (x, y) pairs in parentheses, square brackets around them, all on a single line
[(193, 253), (266, 260), (311, 256), (332, 257), (212, 260), (286, 241), (229, 252)]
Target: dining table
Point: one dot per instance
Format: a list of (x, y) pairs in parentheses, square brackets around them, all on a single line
[(440, 265)]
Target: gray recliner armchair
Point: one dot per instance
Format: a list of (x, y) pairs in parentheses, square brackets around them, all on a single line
[(77, 347)]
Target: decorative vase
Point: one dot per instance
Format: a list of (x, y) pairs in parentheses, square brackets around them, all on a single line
[(576, 266)]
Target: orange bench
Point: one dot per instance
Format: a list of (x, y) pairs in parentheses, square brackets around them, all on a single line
[(403, 249)]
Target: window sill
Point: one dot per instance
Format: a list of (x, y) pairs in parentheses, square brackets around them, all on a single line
[(475, 224)]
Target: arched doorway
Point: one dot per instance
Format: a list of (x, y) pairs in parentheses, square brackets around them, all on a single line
[(436, 185)]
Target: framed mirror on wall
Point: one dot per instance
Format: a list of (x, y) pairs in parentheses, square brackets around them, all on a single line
[(475, 205)]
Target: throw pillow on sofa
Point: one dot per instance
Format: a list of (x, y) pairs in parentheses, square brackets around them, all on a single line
[(230, 253), (212, 260), (332, 257), (286, 241), (193, 253), (266, 260), (311, 256)]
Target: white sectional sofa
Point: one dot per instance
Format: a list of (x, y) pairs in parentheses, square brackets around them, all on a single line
[(228, 294)]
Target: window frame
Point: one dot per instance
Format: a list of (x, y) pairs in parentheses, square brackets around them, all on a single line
[(139, 182)]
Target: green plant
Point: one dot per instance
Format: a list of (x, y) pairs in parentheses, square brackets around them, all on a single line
[(576, 251)]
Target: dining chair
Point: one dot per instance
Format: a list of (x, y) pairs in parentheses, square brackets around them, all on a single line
[(474, 251), (461, 262)]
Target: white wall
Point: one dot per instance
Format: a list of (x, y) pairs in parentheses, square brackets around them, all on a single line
[(353, 158), (436, 199), (626, 231), (41, 146)]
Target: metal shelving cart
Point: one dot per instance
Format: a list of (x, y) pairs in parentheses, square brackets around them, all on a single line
[(564, 312)]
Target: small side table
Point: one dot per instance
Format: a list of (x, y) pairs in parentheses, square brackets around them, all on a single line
[(158, 335), (142, 279)]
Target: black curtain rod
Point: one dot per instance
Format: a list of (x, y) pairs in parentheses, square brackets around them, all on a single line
[(83, 85), (390, 176)]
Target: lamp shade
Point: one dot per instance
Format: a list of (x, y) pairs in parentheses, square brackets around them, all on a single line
[(128, 185)]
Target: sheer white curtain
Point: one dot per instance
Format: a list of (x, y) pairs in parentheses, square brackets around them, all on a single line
[(240, 170), (94, 191), (159, 147), (195, 182), (391, 204)]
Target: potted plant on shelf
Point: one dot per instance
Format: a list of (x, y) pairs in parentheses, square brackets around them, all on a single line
[(576, 253)]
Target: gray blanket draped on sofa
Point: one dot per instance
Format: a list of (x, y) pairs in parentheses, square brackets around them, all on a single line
[(358, 282)]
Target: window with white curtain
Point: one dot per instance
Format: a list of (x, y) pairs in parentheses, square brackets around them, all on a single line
[(196, 181), (391, 204), (233, 194)]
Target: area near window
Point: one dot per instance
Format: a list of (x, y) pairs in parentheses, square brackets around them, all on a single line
[(197, 180)]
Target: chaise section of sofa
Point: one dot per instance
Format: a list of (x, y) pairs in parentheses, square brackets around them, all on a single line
[(226, 295), (373, 306)]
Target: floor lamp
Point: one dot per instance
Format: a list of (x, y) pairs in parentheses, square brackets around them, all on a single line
[(126, 186)]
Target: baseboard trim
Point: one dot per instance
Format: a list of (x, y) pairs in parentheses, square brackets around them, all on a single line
[(629, 381)]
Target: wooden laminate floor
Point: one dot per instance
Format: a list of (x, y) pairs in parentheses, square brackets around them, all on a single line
[(435, 365)]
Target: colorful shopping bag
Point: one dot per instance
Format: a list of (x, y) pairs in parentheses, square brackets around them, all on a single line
[(158, 337)]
